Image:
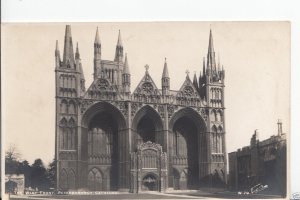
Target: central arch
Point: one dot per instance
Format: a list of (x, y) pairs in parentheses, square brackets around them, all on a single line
[(103, 126), (147, 126), (185, 128)]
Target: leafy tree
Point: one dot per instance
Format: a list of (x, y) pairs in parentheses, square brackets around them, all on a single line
[(51, 171), (38, 175), (25, 168)]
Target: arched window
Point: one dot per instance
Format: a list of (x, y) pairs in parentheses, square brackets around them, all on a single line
[(214, 139), (213, 115), (180, 143), (71, 179), (220, 131), (63, 106), (72, 107), (63, 179), (95, 180)]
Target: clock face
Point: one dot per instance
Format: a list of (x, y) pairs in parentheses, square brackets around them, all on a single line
[(188, 91), (147, 88)]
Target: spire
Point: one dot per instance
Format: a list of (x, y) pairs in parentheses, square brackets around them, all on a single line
[(77, 55), (68, 57), (126, 67), (81, 72), (195, 82), (57, 53), (119, 39), (119, 49), (219, 67), (203, 70), (211, 43), (165, 71), (211, 62), (97, 38)]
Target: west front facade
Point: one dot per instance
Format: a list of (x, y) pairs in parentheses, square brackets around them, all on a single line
[(110, 137)]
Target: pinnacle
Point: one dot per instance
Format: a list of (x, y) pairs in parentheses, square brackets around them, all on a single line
[(56, 47), (97, 38), (211, 44), (119, 39), (126, 67), (165, 71)]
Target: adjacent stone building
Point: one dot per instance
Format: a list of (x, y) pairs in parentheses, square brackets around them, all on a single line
[(110, 137), (263, 162)]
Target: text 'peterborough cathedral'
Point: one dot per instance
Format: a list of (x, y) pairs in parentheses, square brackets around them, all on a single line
[(112, 138)]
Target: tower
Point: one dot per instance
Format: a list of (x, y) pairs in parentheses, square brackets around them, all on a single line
[(211, 86), (165, 79), (126, 77), (119, 49), (70, 85), (97, 55)]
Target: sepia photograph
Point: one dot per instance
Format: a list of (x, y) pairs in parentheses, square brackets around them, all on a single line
[(146, 110)]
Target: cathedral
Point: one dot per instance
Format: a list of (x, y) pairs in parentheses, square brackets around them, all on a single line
[(110, 137)]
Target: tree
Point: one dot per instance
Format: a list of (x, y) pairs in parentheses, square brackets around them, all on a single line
[(38, 175), (25, 168), (12, 157), (51, 174)]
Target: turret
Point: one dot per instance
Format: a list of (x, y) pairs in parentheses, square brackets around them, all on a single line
[(165, 80), (195, 82), (68, 57), (81, 79), (126, 77), (97, 55), (57, 55), (119, 49)]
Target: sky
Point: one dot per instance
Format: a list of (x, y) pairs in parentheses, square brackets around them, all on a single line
[(255, 55)]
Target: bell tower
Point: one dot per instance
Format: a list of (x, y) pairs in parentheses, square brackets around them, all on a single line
[(211, 89), (70, 87)]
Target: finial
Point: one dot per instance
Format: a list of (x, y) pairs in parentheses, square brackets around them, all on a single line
[(187, 72), (97, 39), (147, 67)]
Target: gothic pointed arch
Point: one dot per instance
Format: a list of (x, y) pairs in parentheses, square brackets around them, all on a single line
[(95, 180), (102, 137), (63, 179), (192, 115), (103, 107), (147, 125), (187, 128), (72, 122), (71, 179), (63, 122), (72, 107), (64, 106)]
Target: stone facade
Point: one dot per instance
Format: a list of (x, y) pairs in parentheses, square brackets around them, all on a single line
[(109, 138), (263, 162)]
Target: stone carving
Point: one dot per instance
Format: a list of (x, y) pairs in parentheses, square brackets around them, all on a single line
[(135, 107), (102, 84), (188, 91), (85, 104), (147, 88)]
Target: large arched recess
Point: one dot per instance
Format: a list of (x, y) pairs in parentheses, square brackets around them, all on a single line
[(100, 116), (186, 128), (147, 125)]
